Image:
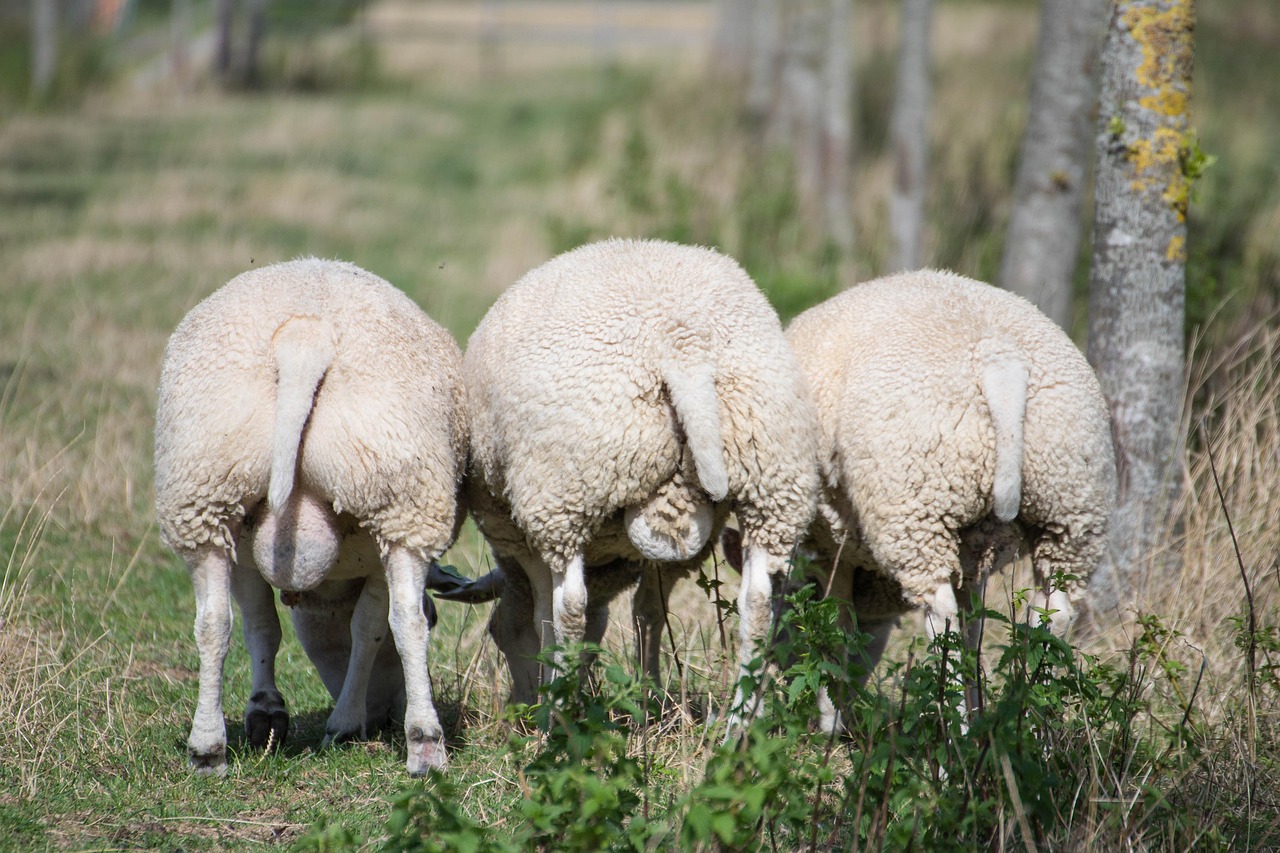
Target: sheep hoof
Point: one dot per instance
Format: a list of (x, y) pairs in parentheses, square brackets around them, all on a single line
[(334, 738), (266, 721), (212, 763), (426, 755)]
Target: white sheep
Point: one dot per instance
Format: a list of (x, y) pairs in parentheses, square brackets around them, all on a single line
[(958, 422), (310, 429), (625, 397)]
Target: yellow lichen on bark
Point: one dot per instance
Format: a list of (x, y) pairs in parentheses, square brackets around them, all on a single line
[(1176, 252), (1164, 35)]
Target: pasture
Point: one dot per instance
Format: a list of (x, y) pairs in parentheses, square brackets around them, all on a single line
[(450, 166)]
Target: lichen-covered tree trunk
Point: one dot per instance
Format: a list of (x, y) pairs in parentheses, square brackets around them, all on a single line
[(909, 135), (1137, 290), (1043, 241)]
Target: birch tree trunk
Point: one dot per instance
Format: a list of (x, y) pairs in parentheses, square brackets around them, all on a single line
[(909, 135), (1137, 290), (44, 45), (1043, 241)]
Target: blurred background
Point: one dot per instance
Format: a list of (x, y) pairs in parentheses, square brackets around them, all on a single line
[(150, 150)]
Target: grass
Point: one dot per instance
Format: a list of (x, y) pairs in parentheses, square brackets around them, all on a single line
[(119, 211)]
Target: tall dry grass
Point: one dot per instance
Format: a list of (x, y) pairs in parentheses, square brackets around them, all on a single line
[(1230, 518)]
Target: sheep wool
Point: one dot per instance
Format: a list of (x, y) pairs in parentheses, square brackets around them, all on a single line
[(624, 398), (958, 423), (310, 429)]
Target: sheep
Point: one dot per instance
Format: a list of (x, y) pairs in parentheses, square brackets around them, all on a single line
[(310, 430), (624, 397), (957, 423)]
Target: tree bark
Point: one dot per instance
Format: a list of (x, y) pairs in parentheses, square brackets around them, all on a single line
[(1137, 290), (731, 45), (837, 125), (253, 42), (1043, 242), (224, 15), (44, 45), (764, 61), (909, 135)]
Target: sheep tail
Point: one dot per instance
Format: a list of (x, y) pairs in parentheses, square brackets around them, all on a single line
[(1003, 372), (303, 349), (693, 395)]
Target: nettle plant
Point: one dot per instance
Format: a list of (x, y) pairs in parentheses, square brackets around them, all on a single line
[(1054, 751)]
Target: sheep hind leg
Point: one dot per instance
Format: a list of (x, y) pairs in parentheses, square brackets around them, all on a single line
[(211, 576), (369, 625), (569, 601), (424, 736), (649, 610), (941, 616), (1053, 555), (266, 719), (755, 619)]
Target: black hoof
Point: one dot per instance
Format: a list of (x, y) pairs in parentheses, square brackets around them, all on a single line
[(266, 721)]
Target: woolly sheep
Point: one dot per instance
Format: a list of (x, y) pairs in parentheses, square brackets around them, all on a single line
[(310, 430), (957, 423), (624, 398)]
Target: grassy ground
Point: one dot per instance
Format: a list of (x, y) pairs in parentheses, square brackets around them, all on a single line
[(452, 174)]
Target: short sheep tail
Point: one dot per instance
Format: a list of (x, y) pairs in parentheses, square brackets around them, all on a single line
[(693, 394), (1003, 372), (303, 349)]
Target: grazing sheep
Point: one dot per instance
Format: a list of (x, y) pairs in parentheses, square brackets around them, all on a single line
[(624, 398), (310, 430), (958, 422)]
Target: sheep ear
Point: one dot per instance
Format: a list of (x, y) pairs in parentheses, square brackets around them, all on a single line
[(478, 591), (445, 579), (731, 545)]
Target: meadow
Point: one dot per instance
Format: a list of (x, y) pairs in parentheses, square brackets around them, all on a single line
[(450, 167)]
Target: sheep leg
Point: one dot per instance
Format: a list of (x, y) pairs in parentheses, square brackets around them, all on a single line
[(406, 581), (1065, 552), (942, 615), (266, 719), (211, 576), (368, 630), (516, 633), (568, 599), (648, 610), (755, 618)]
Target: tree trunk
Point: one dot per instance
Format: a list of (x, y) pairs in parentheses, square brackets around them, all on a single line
[(179, 43), (224, 15), (837, 125), (764, 60), (909, 133), (253, 42), (799, 107), (1137, 289), (1043, 241), (44, 45), (732, 39)]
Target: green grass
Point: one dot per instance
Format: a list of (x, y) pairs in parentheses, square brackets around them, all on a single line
[(119, 213)]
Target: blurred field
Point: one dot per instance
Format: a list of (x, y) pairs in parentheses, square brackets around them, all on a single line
[(485, 138)]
